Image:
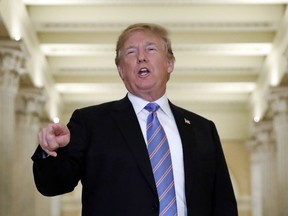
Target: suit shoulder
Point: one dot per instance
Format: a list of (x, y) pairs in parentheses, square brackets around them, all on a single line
[(103, 108), (189, 114), (97, 107)]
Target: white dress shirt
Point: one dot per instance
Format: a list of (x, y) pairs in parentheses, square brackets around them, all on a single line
[(167, 121)]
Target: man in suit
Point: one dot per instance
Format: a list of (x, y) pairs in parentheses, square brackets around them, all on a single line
[(106, 146)]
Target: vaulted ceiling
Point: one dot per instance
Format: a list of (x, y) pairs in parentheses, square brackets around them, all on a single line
[(221, 46)]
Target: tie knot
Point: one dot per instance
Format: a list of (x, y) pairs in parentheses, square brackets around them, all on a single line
[(152, 107)]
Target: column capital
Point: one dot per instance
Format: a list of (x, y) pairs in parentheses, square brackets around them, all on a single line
[(30, 101), (11, 66), (263, 138), (278, 100)]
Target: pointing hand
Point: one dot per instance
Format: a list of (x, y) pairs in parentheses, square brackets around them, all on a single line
[(52, 137)]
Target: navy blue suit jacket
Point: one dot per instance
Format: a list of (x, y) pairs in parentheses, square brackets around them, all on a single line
[(108, 154)]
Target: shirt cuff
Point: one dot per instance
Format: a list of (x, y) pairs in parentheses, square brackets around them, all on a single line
[(44, 155)]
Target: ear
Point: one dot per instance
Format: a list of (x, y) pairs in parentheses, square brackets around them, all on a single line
[(170, 67)]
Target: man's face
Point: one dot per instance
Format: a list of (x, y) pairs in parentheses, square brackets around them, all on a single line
[(144, 66)]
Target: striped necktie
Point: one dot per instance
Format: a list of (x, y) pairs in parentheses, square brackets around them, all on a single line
[(160, 158)]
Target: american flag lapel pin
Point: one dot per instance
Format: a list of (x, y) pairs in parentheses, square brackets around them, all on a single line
[(186, 121)]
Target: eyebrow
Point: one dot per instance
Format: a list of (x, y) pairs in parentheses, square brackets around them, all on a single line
[(151, 43), (133, 46), (129, 47)]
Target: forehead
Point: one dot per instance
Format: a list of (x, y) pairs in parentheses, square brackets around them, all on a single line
[(142, 36)]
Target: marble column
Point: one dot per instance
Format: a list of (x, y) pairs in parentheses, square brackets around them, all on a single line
[(267, 152), (11, 61), (279, 108), (264, 186), (256, 176), (29, 108)]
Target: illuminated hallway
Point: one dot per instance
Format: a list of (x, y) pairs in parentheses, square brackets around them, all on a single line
[(231, 67)]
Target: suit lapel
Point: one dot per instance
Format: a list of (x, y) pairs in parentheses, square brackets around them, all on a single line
[(128, 124), (187, 135)]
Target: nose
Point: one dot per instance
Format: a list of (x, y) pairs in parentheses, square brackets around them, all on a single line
[(142, 57)]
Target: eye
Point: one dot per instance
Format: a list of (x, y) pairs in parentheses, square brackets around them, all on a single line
[(130, 51), (151, 48)]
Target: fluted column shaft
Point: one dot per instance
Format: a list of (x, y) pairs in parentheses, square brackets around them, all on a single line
[(279, 108), (29, 105), (267, 151), (10, 66), (269, 174), (264, 170), (256, 183)]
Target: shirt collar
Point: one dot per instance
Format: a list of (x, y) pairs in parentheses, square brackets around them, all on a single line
[(139, 104)]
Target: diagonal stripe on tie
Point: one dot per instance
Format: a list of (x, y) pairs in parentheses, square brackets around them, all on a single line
[(160, 158)]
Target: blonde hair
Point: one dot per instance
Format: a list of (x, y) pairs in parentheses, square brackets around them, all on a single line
[(153, 28)]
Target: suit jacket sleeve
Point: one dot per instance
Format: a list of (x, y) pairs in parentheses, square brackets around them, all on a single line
[(59, 175), (224, 199)]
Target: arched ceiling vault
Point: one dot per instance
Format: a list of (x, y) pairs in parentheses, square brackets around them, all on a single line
[(224, 49)]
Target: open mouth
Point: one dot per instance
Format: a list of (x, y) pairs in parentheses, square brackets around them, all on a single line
[(143, 72)]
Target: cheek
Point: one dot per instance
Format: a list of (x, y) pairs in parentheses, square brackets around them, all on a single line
[(125, 74), (123, 68), (120, 71), (128, 69)]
